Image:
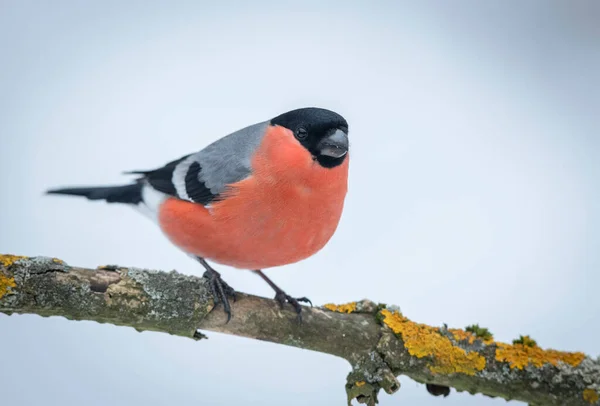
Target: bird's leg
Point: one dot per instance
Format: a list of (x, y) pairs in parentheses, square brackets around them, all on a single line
[(220, 290), (283, 297)]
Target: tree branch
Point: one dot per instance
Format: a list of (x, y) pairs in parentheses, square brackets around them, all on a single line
[(378, 341)]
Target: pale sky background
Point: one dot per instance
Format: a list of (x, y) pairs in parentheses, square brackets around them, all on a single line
[(473, 191)]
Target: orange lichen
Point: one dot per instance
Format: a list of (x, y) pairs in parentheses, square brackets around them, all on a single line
[(590, 396), (360, 383), (446, 358), (462, 335), (8, 260), (424, 341), (6, 284), (521, 355), (344, 308)]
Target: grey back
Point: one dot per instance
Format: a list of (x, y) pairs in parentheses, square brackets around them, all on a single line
[(228, 160)]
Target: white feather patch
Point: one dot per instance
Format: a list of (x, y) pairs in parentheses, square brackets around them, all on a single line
[(178, 178), (152, 199)]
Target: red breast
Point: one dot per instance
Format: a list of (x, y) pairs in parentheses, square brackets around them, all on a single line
[(286, 211)]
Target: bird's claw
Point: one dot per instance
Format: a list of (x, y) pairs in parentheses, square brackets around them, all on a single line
[(283, 298), (221, 291)]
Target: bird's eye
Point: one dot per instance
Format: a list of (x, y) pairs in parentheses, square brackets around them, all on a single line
[(301, 133)]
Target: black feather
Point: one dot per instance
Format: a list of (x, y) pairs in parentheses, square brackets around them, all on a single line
[(161, 179), (131, 194), (197, 190)]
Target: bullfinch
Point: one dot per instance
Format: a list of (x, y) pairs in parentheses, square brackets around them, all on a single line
[(267, 195)]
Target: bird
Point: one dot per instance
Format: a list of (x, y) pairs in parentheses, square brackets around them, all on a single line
[(265, 196)]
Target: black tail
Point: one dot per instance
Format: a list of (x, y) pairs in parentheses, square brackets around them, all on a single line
[(131, 194)]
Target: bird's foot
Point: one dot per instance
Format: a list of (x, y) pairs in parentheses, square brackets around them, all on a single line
[(283, 298), (221, 291)]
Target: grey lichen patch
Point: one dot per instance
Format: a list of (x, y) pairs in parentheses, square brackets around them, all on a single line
[(394, 308), (363, 392), (144, 300), (546, 384), (38, 265), (293, 341), (585, 375), (366, 306), (31, 276), (170, 286), (394, 354), (49, 288), (370, 374), (501, 375), (147, 279), (175, 301), (367, 367)]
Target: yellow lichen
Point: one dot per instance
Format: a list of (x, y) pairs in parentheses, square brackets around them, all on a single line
[(360, 383), (590, 396), (521, 355), (8, 260), (424, 341), (469, 337), (462, 335), (6, 284), (344, 308), (58, 261)]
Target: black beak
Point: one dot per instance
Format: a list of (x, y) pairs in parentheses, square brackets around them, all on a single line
[(334, 145)]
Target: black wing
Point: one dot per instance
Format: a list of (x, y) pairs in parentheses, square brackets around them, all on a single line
[(192, 188)]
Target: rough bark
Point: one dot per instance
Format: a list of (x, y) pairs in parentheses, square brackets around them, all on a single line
[(378, 341)]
